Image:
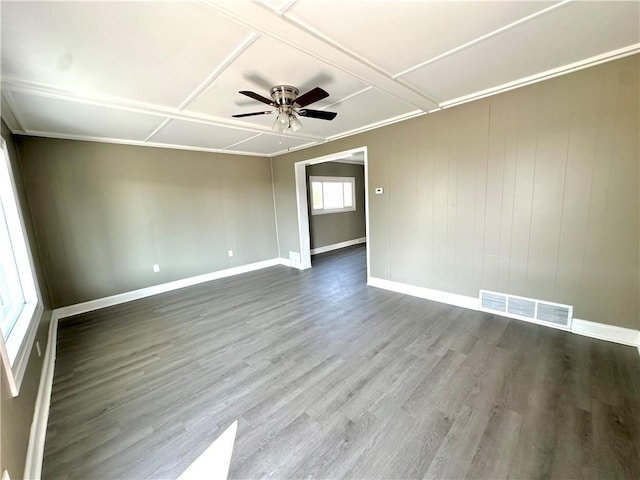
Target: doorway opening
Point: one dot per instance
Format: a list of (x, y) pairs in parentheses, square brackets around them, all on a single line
[(355, 155)]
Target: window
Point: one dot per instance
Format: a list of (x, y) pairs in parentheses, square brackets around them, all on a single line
[(332, 194), (20, 304)]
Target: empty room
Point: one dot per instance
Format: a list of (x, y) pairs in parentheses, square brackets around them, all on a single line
[(329, 239)]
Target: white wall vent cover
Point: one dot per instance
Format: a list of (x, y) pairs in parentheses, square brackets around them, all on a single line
[(529, 309)]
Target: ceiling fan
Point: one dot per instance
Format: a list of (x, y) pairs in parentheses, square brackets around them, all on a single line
[(287, 102)]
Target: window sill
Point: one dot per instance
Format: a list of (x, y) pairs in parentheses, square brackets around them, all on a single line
[(20, 344)]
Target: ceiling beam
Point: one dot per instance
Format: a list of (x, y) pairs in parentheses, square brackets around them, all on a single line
[(261, 19)]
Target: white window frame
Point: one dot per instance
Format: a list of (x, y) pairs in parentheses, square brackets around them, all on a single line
[(325, 179), (16, 349)]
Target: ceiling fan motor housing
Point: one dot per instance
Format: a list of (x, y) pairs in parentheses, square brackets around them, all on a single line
[(284, 95)]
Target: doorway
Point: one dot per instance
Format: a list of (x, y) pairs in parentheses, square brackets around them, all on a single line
[(302, 196)]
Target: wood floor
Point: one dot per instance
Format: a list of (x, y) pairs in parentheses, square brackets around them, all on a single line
[(329, 378)]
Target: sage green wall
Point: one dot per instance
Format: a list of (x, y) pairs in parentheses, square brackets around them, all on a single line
[(332, 228), (16, 413), (105, 213), (532, 192)]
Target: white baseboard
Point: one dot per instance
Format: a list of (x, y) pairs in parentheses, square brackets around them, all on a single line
[(611, 333), (38, 432), (284, 261), (427, 293), (336, 246), (35, 452), (602, 331), (162, 288), (37, 435)]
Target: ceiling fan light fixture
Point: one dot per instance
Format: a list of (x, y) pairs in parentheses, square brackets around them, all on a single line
[(294, 123), (281, 123)]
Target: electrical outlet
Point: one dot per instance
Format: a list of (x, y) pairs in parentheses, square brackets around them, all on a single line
[(231, 253), (38, 348), (156, 267)]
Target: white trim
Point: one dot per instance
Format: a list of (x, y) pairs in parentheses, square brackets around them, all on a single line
[(275, 208), (302, 204), (329, 179), (303, 218), (427, 293), (17, 348), (285, 262), (539, 77), (35, 450), (13, 85), (611, 333), (38, 432), (162, 288), (601, 331), (246, 43), (18, 351), (367, 232), (381, 123), (336, 246), (292, 31), (8, 113), (137, 143), (481, 38)]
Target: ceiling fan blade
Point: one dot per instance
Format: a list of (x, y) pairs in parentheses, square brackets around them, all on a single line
[(257, 96), (321, 114), (240, 115), (311, 96)]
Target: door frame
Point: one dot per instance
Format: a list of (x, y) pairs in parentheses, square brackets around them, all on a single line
[(302, 203)]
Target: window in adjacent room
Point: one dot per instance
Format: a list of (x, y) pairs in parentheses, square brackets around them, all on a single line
[(332, 194), (20, 304)]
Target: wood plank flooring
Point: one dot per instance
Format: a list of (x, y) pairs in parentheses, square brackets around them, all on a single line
[(329, 378)]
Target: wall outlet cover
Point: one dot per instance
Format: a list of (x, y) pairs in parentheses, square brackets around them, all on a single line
[(156, 267)]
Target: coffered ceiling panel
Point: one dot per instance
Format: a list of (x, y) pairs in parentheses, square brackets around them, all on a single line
[(574, 32), (378, 107), (72, 119), (268, 62), (400, 35), (156, 52), (265, 144), (276, 5), (169, 72), (198, 135)]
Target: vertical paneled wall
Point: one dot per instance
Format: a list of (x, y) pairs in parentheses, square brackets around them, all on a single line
[(105, 214), (532, 192)]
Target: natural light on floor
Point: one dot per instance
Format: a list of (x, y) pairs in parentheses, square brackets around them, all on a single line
[(214, 462)]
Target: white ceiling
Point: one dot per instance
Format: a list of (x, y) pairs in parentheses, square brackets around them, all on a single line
[(168, 73)]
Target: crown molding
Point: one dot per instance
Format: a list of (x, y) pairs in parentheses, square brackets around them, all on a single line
[(547, 75), (137, 143)]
